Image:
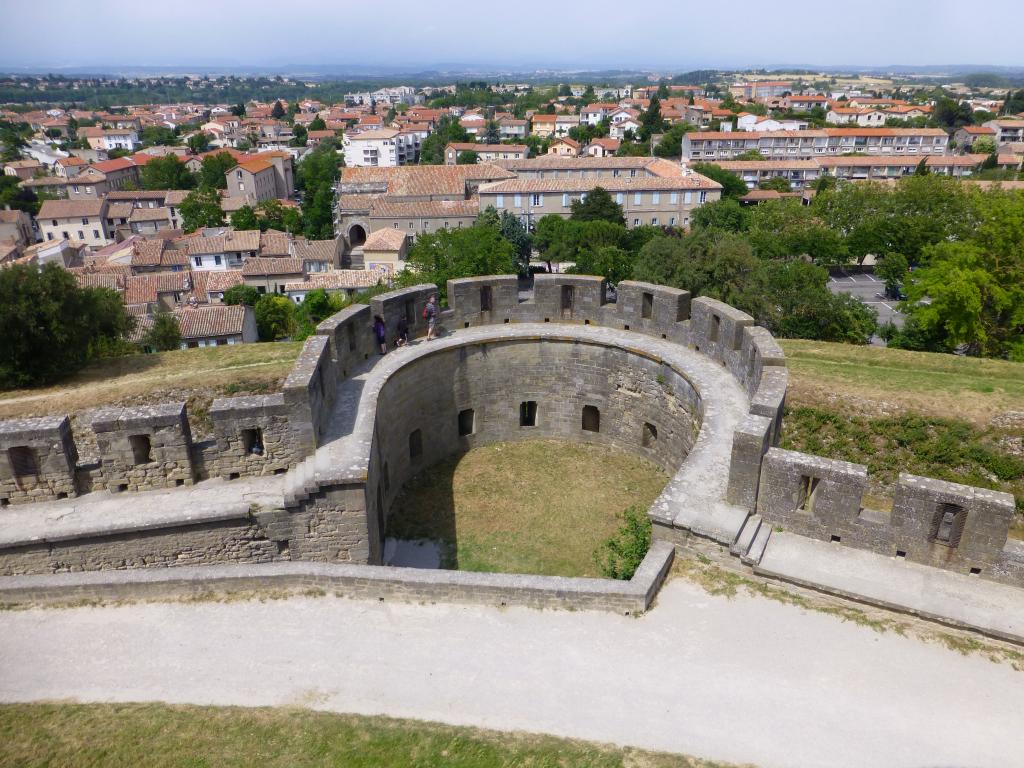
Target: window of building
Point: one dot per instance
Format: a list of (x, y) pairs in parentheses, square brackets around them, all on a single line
[(672, 221), (648, 435), (81, 235), (467, 422), (528, 413), (632, 172), (252, 441), (23, 462), (654, 221), (591, 419), (499, 201), (703, 197), (537, 200), (517, 201), (486, 296), (636, 222), (565, 200), (96, 234), (948, 525), (637, 198), (673, 198), (216, 259), (688, 198), (647, 305), (142, 449), (415, 445), (88, 190), (808, 493), (620, 198), (198, 260), (655, 198)]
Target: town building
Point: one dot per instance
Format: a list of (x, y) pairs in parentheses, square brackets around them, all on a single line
[(1007, 131), (711, 146), (371, 149), (485, 152), (83, 221)]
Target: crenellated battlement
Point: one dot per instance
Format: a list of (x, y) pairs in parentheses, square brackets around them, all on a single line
[(297, 432)]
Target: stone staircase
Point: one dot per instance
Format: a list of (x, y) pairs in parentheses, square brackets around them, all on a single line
[(751, 541)]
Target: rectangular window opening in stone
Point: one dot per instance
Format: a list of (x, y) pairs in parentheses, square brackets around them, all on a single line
[(836, 539), (591, 419), (948, 525), (485, 299), (351, 329), (142, 449), (647, 306), (528, 413), (252, 441), (901, 553), (410, 313), (975, 572), (23, 462), (808, 493), (649, 435), (680, 313), (716, 324), (466, 422), (415, 445), (567, 298)]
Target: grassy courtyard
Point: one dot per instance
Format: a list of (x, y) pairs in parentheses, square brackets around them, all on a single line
[(538, 507), (157, 735)]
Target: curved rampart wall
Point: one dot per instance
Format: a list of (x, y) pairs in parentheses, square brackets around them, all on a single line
[(638, 404)]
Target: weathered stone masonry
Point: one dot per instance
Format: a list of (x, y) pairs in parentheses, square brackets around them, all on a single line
[(349, 429)]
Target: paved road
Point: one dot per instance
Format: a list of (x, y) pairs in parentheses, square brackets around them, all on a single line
[(746, 680), (870, 290)]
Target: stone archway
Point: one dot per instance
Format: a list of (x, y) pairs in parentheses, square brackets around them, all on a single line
[(356, 235)]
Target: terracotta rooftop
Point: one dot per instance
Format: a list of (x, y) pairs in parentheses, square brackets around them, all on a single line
[(386, 239), (391, 209), (264, 266), (340, 279)]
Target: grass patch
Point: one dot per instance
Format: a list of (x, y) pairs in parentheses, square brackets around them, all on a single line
[(227, 370), (723, 582), (977, 390), (141, 735), (540, 507)]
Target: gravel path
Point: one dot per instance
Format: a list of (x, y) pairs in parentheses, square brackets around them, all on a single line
[(744, 680)]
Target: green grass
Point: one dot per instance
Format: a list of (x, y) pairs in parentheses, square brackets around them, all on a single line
[(151, 735), (953, 418), (974, 389), (234, 369), (539, 507)]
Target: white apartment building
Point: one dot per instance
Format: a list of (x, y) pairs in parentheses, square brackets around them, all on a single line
[(865, 117), (1007, 131), (368, 149), (711, 146), (748, 122)]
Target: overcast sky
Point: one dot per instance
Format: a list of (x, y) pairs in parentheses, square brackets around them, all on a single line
[(522, 34)]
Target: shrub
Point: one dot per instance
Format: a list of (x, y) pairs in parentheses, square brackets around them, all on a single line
[(275, 317), (621, 554), (165, 335)]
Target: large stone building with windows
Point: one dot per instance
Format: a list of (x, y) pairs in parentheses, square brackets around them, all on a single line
[(712, 146), (423, 199)]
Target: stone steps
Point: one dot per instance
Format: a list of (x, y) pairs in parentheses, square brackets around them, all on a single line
[(746, 536), (756, 552)]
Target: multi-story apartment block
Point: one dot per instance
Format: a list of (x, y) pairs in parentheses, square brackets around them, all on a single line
[(254, 178), (110, 138), (546, 126), (371, 149), (863, 116), (592, 114), (710, 146), (1007, 131), (84, 221), (222, 248), (760, 89), (803, 173)]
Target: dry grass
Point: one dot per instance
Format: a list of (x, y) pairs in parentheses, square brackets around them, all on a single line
[(148, 735), (538, 507), (881, 381), (150, 378)]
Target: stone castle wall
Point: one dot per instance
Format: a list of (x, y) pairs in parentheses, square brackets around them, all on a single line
[(642, 405)]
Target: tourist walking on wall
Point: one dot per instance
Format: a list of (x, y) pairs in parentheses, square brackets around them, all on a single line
[(430, 315), (381, 332), (403, 332)]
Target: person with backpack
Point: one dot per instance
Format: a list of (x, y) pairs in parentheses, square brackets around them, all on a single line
[(430, 315), (380, 331)]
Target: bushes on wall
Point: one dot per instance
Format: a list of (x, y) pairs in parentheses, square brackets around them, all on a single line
[(621, 555)]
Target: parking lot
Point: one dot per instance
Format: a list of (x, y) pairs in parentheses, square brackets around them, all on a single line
[(870, 290)]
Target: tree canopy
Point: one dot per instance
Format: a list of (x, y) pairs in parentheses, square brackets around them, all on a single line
[(598, 205), (50, 327), (438, 257), (167, 172), (201, 208)]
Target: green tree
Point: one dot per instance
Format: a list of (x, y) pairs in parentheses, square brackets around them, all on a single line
[(651, 121), (620, 556), (671, 143), (167, 172), (50, 327), (212, 172), (467, 157), (277, 112), (244, 218), (598, 205), (725, 214), (201, 208), (241, 294), (275, 317), (984, 145), (18, 198), (512, 229), (238, 110), (317, 124), (564, 240), (732, 185), (440, 256), (153, 135), (776, 183), (300, 136), (893, 270), (447, 131), (273, 214), (198, 143), (610, 262), (165, 335), (492, 132)]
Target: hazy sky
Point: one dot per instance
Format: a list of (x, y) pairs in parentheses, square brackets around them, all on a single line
[(524, 34)]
